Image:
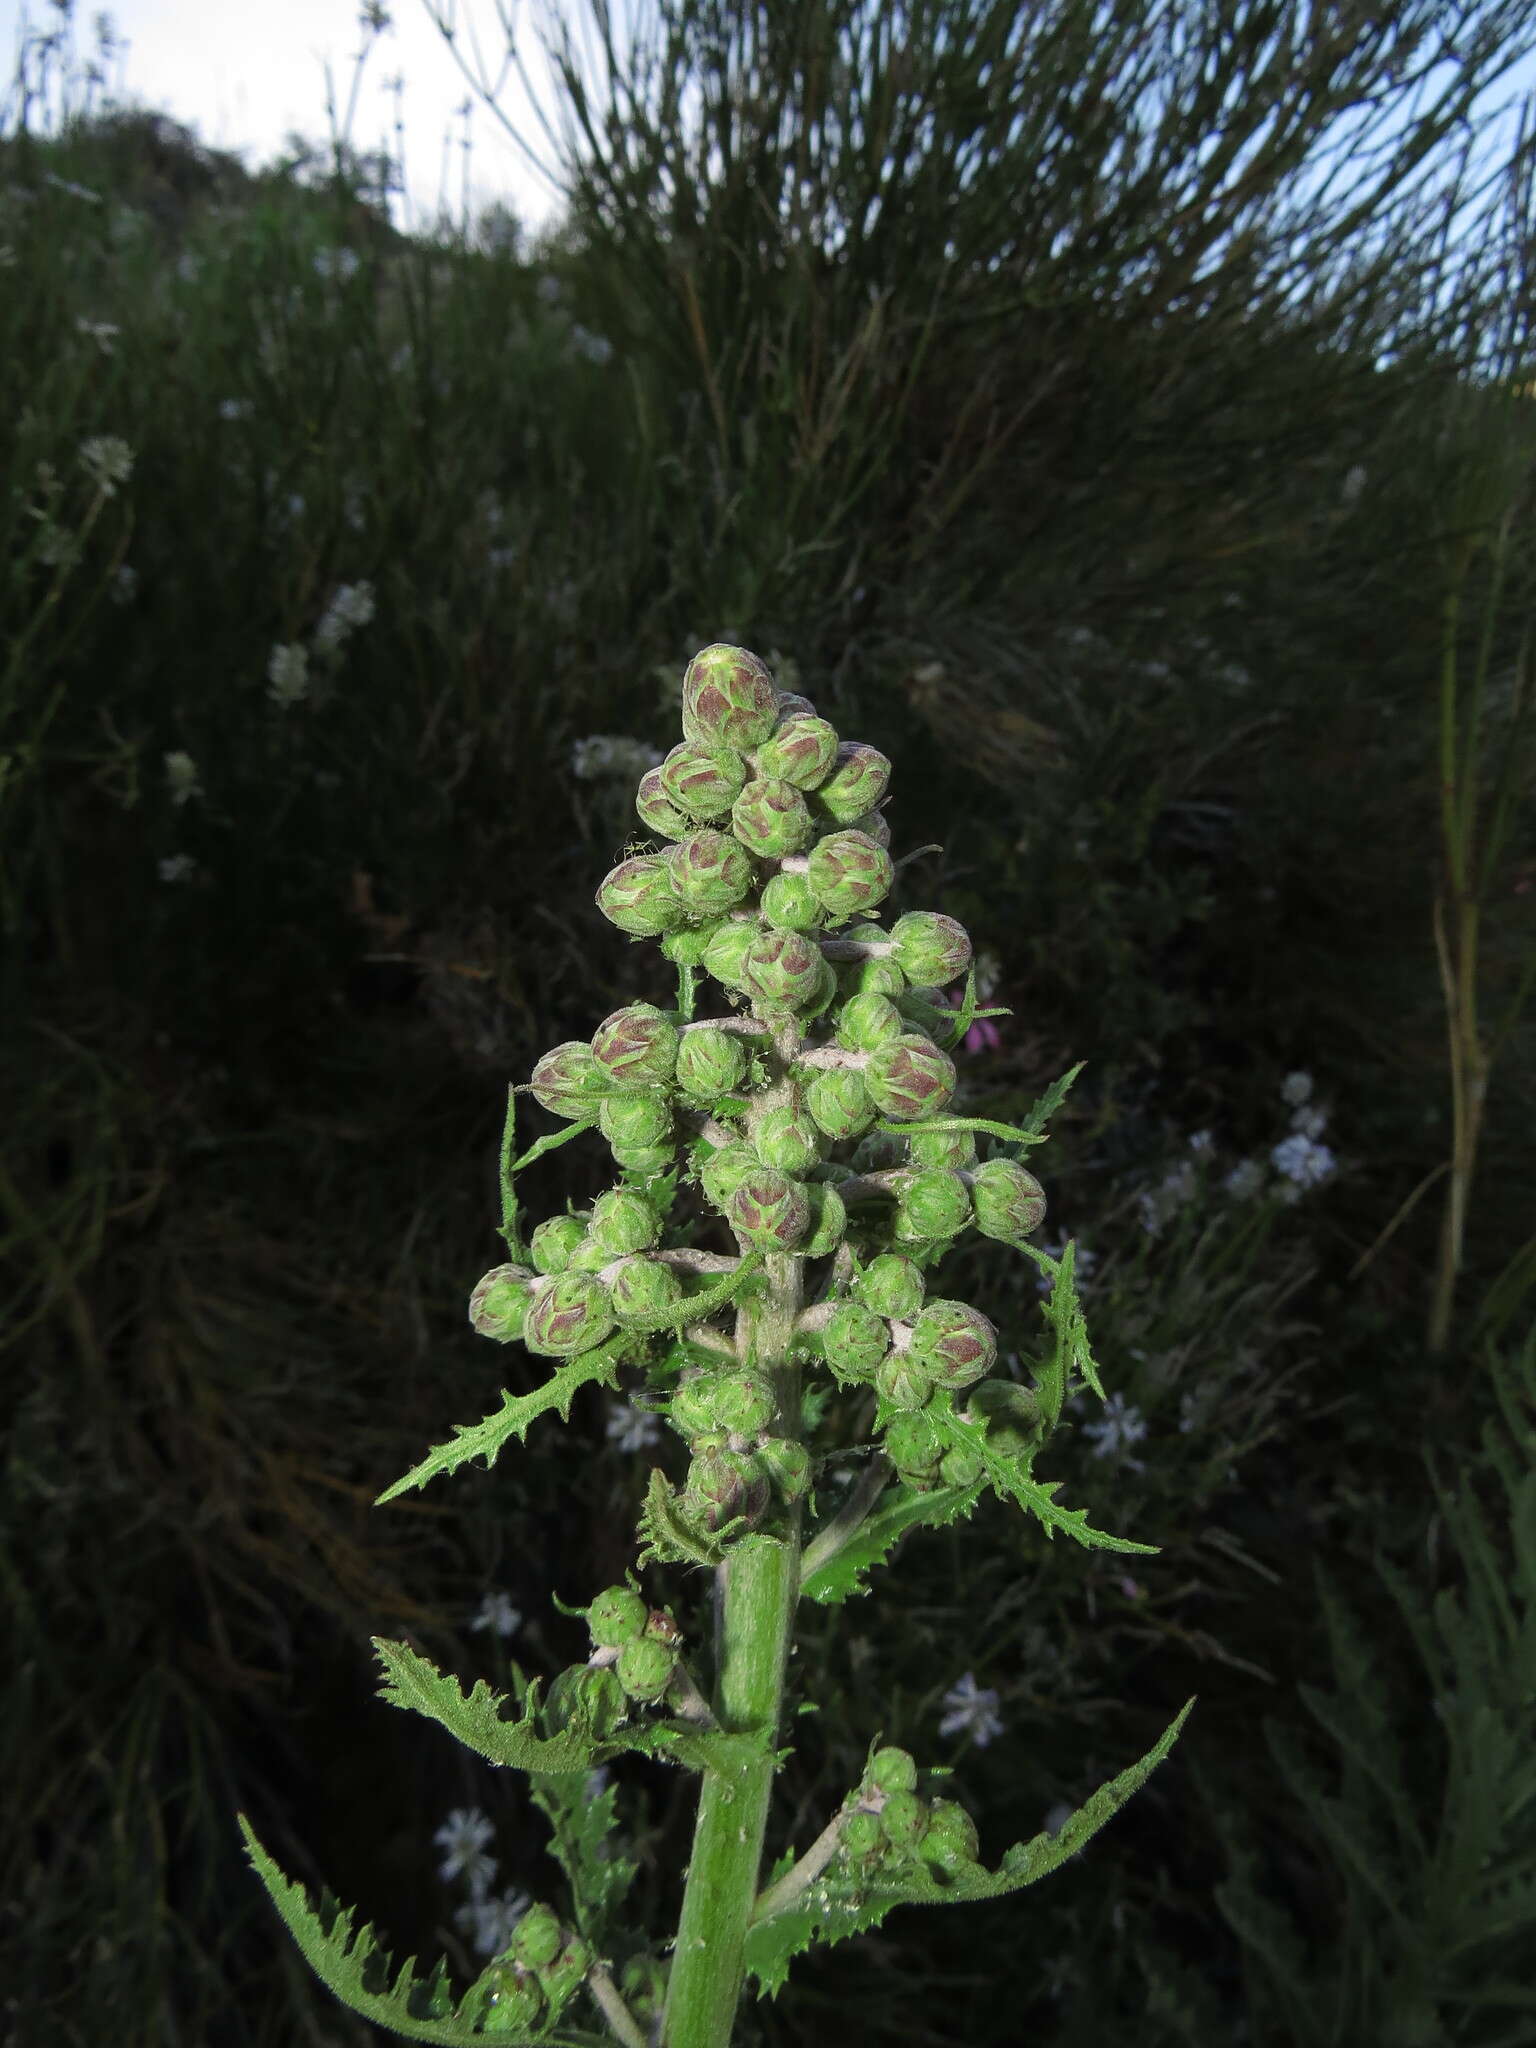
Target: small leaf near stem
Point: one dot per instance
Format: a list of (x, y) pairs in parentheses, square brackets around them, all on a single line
[(800, 1874), (828, 1541)]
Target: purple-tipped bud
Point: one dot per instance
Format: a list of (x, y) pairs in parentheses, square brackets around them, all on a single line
[(724, 1171), (657, 810), (793, 705), (1007, 1200), (848, 873), (710, 1064), (855, 1340), (839, 1102), (498, 1306), (569, 1082), (617, 1617), (571, 1316), (624, 1221), (931, 949), (554, 1242), (728, 698), (770, 818), (892, 1286), (829, 1220), (723, 1484), (786, 1137), (873, 825), (725, 956), (901, 1382), (860, 777), (636, 1047), (867, 1021), (645, 1668), (710, 873), (788, 903), (802, 751), (703, 781), (631, 1122), (786, 1465), (641, 1286), (744, 1403), (933, 1204), (955, 1342), (639, 898), (785, 971), (909, 1077), (768, 1210)]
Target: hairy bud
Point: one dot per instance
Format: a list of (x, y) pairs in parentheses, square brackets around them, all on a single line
[(892, 1286), (788, 1138), (839, 1103), (571, 1316), (725, 956), (728, 698), (568, 1081), (931, 1205), (801, 751), (931, 950), (639, 898), (554, 1243), (769, 1210), (955, 1342), (499, 1304), (1006, 1199), (616, 1617), (703, 781), (710, 872), (860, 777), (855, 1341), (771, 818), (645, 1667), (632, 1122), (848, 873), (657, 810), (636, 1047), (788, 903), (710, 1064), (909, 1077)]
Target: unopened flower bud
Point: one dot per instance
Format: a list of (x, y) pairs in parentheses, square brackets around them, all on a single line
[(768, 1210), (703, 781), (931, 949), (725, 955), (728, 698), (892, 1286), (1011, 1414), (616, 1617), (901, 1381), (569, 1082), (537, 1939), (951, 1836), (793, 705), (509, 2000), (860, 777), (642, 1287), (892, 1770), (744, 1403), (645, 1668), (710, 1064), (867, 1021), (785, 970), (692, 1408), (657, 810), (953, 1149), (789, 904), (585, 1692), (624, 1221), (498, 1306), (554, 1241), (771, 818), (710, 872), (572, 1315), (909, 1078), (912, 1444), (955, 1342), (687, 946), (931, 1205), (960, 1466), (723, 1172), (639, 898), (874, 976), (829, 1220), (848, 873), (787, 1137), (723, 1484), (874, 826), (855, 1341), (904, 1820), (631, 1122), (636, 1047), (801, 750), (1006, 1199), (786, 1463), (643, 1981), (839, 1102), (642, 1162), (568, 1970), (863, 1835)]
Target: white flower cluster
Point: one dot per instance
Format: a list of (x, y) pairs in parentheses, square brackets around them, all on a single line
[(107, 461), (971, 1709), (102, 332), (611, 754), (288, 664), (487, 1918), (1300, 1161)]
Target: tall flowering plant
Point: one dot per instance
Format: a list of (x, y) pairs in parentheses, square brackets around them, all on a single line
[(788, 1173)]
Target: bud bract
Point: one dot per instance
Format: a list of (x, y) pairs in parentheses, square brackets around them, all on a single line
[(631, 1122), (839, 1102), (569, 1082), (930, 949), (710, 1063), (909, 1078), (892, 1286), (636, 1047), (903, 1820), (862, 1834), (855, 1341), (536, 1940), (572, 1315), (624, 1221), (510, 2000), (829, 1220), (723, 1172), (787, 1466), (931, 1204), (728, 698), (784, 970), (744, 1403), (960, 1467), (701, 780), (561, 1978), (901, 1381), (723, 1484), (616, 1617), (951, 1836), (788, 903), (768, 1210), (1006, 1199), (499, 1304), (552, 1244), (1011, 1414), (942, 1148), (710, 872), (657, 809), (848, 873), (860, 777), (912, 1444), (726, 952), (801, 750), (955, 1342), (788, 1138), (645, 1668), (892, 1770), (639, 898), (692, 1409), (867, 1021)]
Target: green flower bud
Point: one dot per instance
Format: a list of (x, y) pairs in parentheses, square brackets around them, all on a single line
[(642, 1162), (903, 1820), (879, 1152), (639, 898), (960, 1467), (867, 1021), (860, 777), (645, 1668), (553, 1243), (722, 1172), (771, 818), (728, 698), (855, 1340), (768, 1210), (692, 1408), (710, 1063), (793, 705), (510, 1999), (631, 1122), (788, 1138), (723, 1484), (1011, 1415), (562, 1977), (788, 903), (643, 1981), (744, 1403), (1006, 1200), (617, 1617), (863, 1835), (942, 1148), (932, 1204), (636, 1047), (901, 1382), (537, 1939), (784, 970), (642, 1287), (829, 1220), (656, 808), (582, 1693), (892, 1770), (572, 1315), (892, 1286), (569, 1082), (930, 948), (839, 1103), (909, 1078), (951, 1836), (955, 1342), (875, 975), (849, 873), (624, 1221), (498, 1306), (802, 751), (710, 872), (787, 1465), (912, 1444), (726, 952), (873, 825), (687, 947), (703, 781)]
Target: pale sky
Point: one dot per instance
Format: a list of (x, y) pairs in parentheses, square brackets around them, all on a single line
[(243, 73)]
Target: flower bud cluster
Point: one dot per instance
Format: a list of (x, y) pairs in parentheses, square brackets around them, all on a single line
[(738, 1464), (890, 1823), (541, 1969), (646, 1640)]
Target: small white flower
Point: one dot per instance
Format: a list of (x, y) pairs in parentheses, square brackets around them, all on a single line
[(288, 673), (462, 1839), (351, 607), (107, 461), (550, 290), (989, 970), (1296, 1089), (1354, 484), (490, 1918), (234, 408), (180, 867), (1309, 1120), (1302, 1161), (8, 257), (631, 1428), (1115, 1429), (188, 266), (181, 775), (1202, 1144), (1159, 1203), (102, 332), (341, 263), (125, 583), (972, 1709), (500, 558), (592, 346), (498, 1613), (1245, 1180)]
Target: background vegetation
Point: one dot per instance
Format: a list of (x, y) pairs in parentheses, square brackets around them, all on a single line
[(1169, 524)]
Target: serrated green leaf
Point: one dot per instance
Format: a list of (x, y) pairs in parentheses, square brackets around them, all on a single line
[(412, 1681), (1009, 1478), (672, 1535), (841, 1576), (356, 1967), (694, 1307), (484, 1439), (840, 1902), (583, 1825)]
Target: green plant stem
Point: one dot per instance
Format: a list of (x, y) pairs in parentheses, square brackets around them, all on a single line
[(757, 1589)]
